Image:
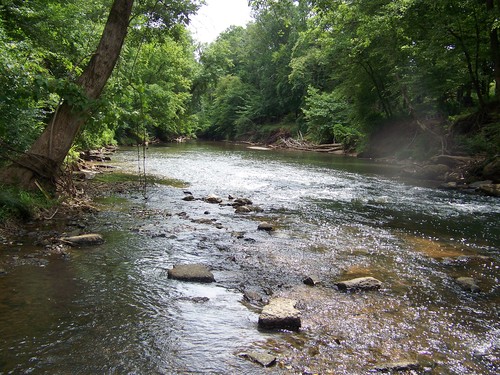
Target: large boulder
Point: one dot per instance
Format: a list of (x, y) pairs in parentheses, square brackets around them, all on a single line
[(191, 272), (490, 189), (360, 283), (434, 171), (280, 313), (90, 239), (429, 171), (492, 170), (451, 160)]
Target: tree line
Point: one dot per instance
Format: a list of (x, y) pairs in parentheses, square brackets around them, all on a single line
[(339, 71), (329, 71)]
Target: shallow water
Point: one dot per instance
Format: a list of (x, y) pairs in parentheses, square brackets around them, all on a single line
[(111, 309)]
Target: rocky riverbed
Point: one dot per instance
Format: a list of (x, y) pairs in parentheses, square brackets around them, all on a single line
[(353, 300)]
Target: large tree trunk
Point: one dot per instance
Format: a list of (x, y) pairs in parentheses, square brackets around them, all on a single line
[(44, 159)]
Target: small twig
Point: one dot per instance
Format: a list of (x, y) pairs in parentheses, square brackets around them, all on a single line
[(42, 190), (52, 216)]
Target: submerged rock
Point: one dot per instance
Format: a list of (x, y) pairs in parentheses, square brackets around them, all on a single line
[(195, 299), (280, 313), (360, 283), (263, 359), (265, 226), (191, 272), (468, 284), (90, 239), (255, 297), (398, 367)]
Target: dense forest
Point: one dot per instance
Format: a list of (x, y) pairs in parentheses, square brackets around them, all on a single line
[(339, 71)]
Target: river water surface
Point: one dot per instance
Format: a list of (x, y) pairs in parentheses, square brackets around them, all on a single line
[(111, 309)]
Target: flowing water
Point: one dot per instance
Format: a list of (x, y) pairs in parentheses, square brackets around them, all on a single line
[(112, 309)]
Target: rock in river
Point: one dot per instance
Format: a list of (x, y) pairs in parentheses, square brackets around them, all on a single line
[(84, 240), (360, 283), (242, 209), (311, 280), (393, 367), (468, 284), (265, 226), (191, 272), (280, 313), (263, 359), (212, 199)]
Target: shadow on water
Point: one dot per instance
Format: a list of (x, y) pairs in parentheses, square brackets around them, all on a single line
[(112, 309)]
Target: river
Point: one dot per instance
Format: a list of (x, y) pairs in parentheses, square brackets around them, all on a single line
[(112, 309)]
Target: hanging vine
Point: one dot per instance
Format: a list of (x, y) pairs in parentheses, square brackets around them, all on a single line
[(142, 146)]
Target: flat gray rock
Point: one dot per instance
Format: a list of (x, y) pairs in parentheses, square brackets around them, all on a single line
[(263, 359), (191, 272), (360, 283), (280, 313), (84, 240)]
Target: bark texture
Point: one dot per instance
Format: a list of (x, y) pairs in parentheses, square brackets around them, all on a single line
[(45, 157)]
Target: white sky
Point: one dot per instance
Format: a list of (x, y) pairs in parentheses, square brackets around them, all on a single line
[(217, 16)]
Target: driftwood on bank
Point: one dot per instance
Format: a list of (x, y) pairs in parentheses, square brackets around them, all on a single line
[(303, 145)]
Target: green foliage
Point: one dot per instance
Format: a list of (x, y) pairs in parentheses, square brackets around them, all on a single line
[(485, 141), (20, 204), (257, 58), (46, 44), (21, 112), (334, 70), (150, 93), (327, 118)]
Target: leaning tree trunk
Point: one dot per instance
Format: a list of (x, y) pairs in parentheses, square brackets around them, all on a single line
[(44, 159)]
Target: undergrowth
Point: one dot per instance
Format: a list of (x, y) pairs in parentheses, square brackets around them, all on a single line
[(21, 204)]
